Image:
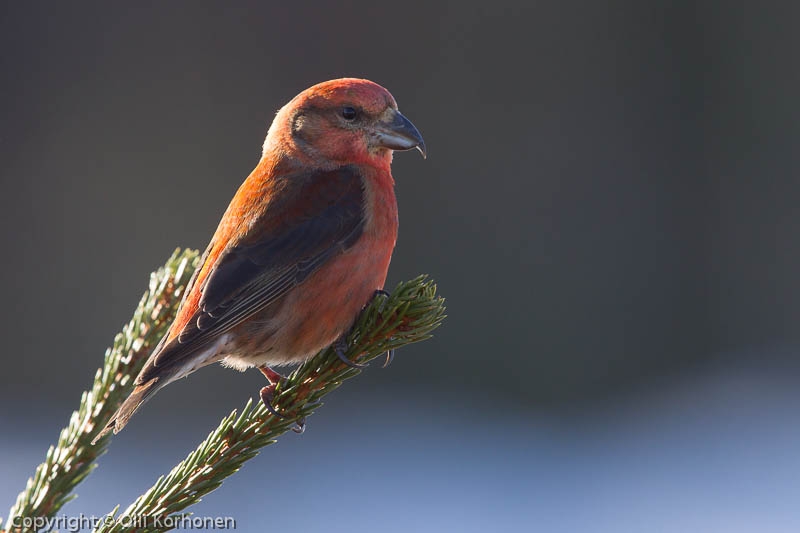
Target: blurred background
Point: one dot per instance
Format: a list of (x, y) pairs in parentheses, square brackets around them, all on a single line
[(610, 206)]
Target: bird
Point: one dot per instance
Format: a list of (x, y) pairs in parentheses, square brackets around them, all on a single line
[(302, 248)]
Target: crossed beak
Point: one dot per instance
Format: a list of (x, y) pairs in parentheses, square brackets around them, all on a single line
[(396, 132)]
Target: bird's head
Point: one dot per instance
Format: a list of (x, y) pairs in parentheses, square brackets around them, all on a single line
[(345, 120)]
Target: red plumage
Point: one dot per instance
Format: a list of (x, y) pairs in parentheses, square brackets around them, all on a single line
[(303, 245)]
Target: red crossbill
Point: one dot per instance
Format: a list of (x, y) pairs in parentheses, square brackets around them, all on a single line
[(303, 246)]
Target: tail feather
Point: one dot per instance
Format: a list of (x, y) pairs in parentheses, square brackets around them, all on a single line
[(138, 397)]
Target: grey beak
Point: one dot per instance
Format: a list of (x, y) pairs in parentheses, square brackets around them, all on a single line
[(396, 132)]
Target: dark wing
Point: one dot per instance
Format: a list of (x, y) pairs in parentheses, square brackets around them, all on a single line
[(316, 217)]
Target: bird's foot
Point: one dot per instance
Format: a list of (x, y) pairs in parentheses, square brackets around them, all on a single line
[(390, 353), (268, 394), (273, 377), (340, 348), (381, 292)]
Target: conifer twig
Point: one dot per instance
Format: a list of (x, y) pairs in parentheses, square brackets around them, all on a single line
[(408, 315), (73, 457)]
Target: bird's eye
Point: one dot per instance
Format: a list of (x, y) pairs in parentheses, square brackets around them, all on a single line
[(349, 113)]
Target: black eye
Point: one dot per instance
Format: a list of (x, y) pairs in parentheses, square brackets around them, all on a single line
[(349, 113)]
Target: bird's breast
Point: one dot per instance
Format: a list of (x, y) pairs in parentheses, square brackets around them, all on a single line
[(327, 303), (380, 207), (331, 299)]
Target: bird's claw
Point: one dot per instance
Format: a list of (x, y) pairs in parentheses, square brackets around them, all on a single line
[(389, 358), (341, 345), (340, 348), (381, 292), (267, 395), (389, 353), (300, 426)]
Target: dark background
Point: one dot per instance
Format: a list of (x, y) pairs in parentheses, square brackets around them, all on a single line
[(610, 206)]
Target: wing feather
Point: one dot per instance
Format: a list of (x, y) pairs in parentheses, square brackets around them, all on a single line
[(326, 217)]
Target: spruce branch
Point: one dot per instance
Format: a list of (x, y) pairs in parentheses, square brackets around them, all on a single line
[(73, 457), (408, 315)]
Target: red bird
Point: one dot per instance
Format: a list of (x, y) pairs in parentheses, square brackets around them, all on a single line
[(303, 246)]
